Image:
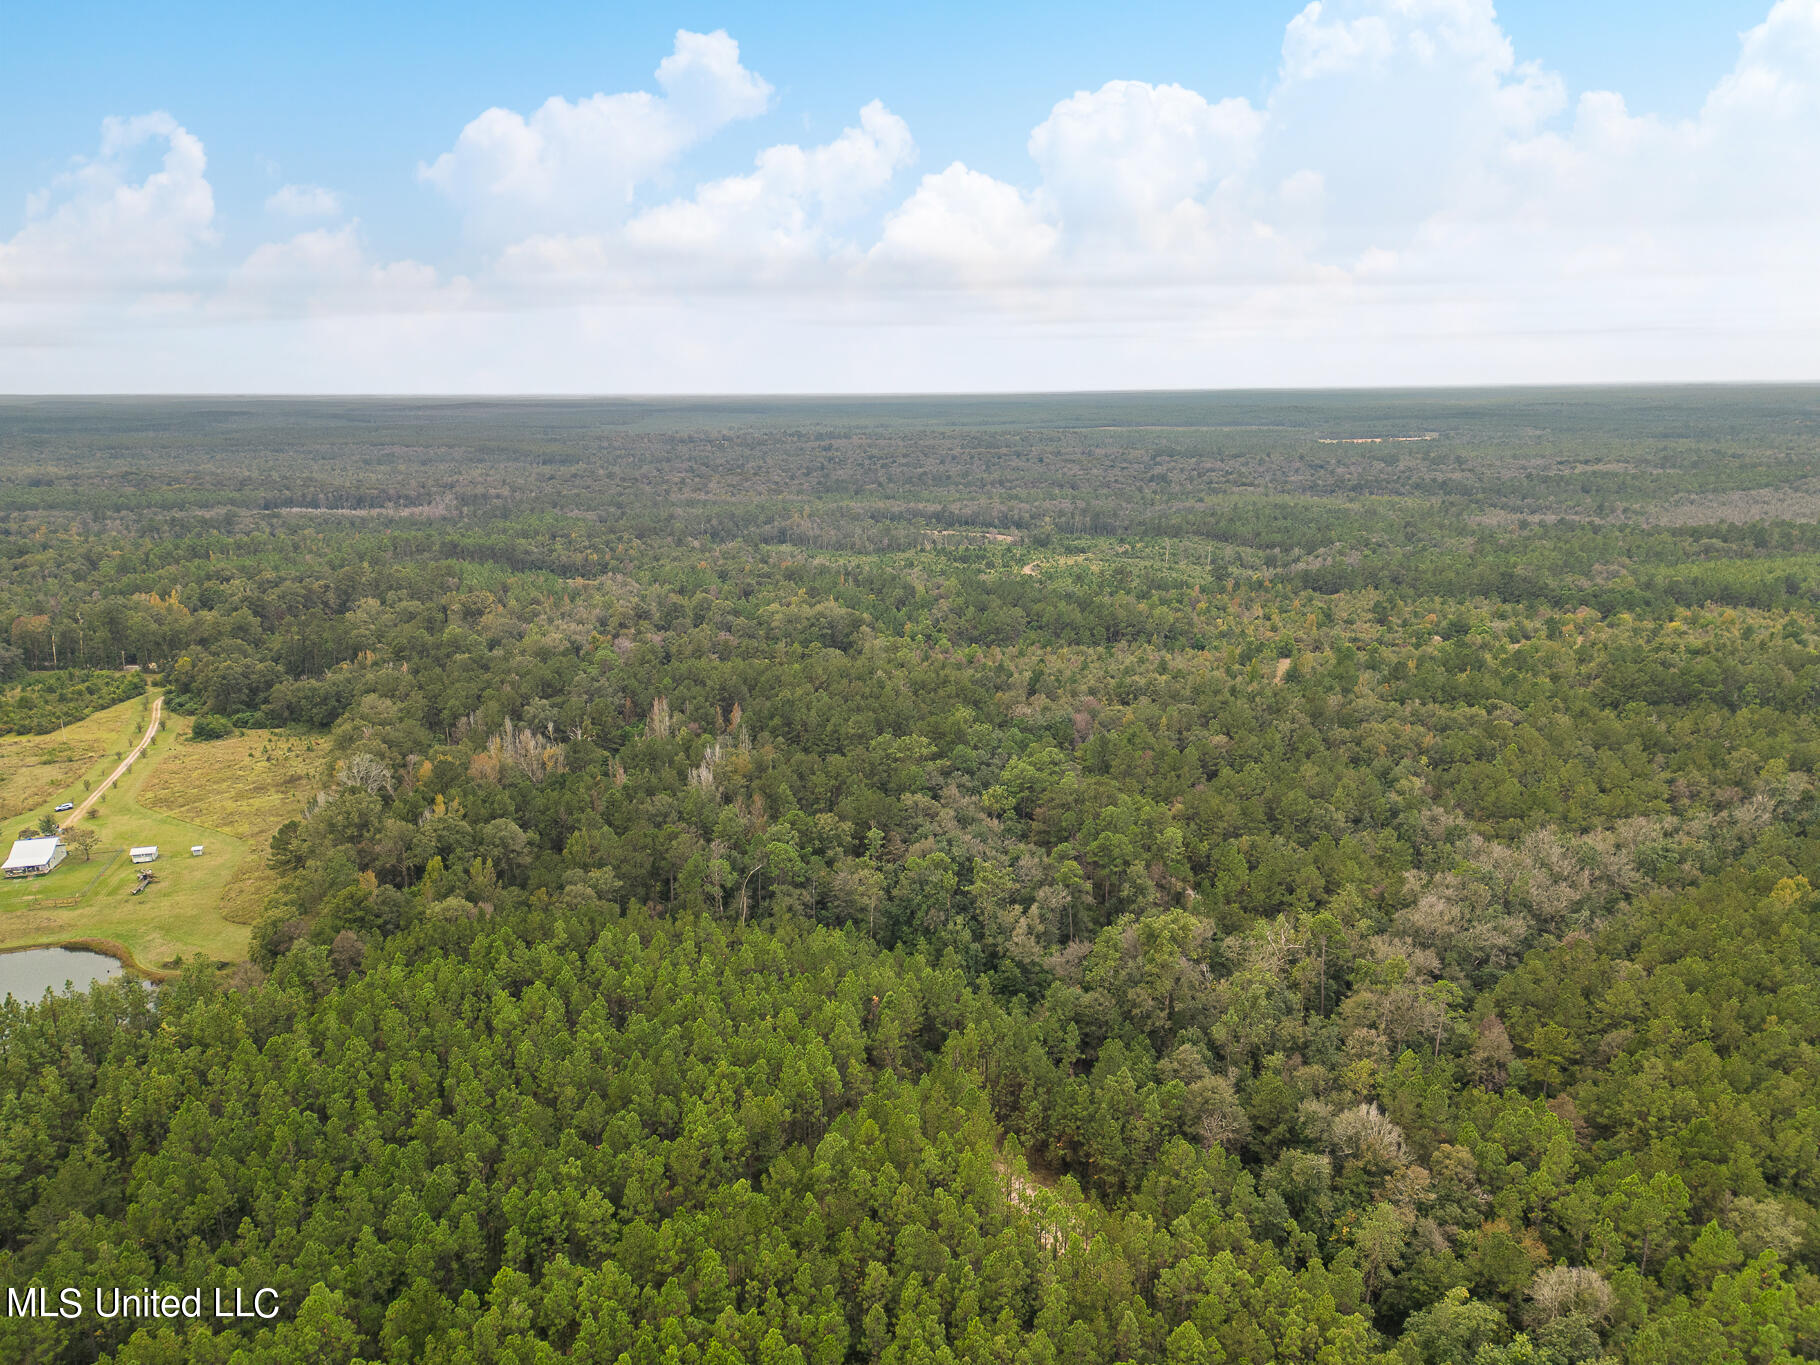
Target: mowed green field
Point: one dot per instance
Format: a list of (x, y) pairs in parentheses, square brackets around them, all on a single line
[(248, 784)]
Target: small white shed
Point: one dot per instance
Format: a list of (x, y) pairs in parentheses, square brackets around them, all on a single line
[(147, 853), (195, 850)]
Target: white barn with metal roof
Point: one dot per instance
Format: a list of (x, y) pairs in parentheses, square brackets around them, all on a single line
[(33, 856)]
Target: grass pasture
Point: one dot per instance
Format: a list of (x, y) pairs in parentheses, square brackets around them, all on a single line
[(227, 795), (37, 771), (245, 787)]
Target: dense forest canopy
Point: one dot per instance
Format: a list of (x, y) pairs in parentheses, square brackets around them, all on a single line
[(1190, 878)]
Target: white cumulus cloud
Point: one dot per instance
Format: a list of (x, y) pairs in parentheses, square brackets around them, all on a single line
[(1400, 108), (783, 223), (575, 164), (329, 270), (1129, 157), (789, 208), (963, 226), (95, 227)]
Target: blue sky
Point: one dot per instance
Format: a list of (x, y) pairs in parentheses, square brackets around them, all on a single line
[(356, 95), (355, 99)]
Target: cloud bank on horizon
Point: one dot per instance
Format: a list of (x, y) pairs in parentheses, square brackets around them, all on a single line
[(1412, 202)]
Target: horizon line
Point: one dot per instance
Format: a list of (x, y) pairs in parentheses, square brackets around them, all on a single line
[(784, 395)]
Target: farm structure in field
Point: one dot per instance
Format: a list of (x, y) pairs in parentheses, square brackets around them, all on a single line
[(33, 857), (147, 853)]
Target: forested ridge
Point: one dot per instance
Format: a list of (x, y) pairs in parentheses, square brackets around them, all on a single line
[(1104, 879)]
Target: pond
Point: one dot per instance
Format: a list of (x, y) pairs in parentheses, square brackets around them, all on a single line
[(29, 974)]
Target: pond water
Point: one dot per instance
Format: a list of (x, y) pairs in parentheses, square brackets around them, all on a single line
[(27, 975)]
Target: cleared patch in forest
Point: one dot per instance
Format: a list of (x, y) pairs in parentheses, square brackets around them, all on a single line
[(37, 771), (227, 795), (245, 786)]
